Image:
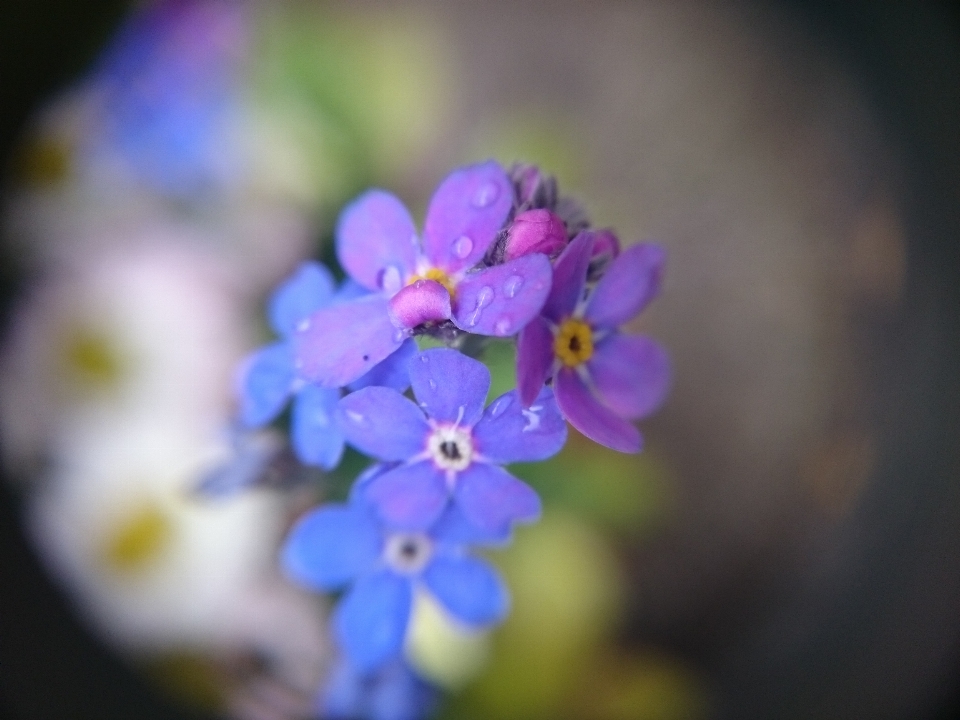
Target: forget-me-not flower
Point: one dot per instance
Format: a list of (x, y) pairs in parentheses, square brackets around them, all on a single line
[(601, 377), (269, 377), (336, 546), (449, 447), (392, 692), (414, 283)]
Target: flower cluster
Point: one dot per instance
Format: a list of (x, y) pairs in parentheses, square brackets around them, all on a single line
[(500, 256)]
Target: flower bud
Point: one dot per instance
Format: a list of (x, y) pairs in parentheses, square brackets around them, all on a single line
[(606, 245), (535, 231)]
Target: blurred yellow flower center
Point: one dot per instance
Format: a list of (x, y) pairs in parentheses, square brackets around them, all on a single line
[(437, 275), (139, 540), (91, 358), (574, 342)]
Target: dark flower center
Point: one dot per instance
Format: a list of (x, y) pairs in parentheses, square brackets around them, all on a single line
[(450, 450)]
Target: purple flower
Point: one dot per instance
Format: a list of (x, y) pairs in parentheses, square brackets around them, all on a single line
[(338, 546), (450, 447), (535, 231), (268, 377), (393, 692), (429, 282), (601, 377)]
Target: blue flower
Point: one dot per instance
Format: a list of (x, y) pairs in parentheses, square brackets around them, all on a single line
[(337, 546), (269, 377), (393, 692), (450, 448)]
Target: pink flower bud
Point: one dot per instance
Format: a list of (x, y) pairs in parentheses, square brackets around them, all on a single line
[(535, 231), (606, 246)]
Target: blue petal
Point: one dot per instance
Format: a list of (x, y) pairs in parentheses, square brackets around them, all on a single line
[(409, 497), (392, 372), (628, 286), (316, 435), (265, 384), (381, 422), (330, 546), (341, 342), (502, 299), (468, 588), (344, 693), (371, 621), (349, 290), (399, 694), (492, 499), (454, 530), (569, 278), (358, 490), (450, 386), (307, 290), (374, 233), (509, 433)]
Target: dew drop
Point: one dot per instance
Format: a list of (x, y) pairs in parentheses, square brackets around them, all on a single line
[(355, 417), (497, 409), (484, 298), (485, 195), (512, 286), (462, 247), (424, 359), (399, 335), (390, 279), (303, 325), (502, 326), (433, 384)]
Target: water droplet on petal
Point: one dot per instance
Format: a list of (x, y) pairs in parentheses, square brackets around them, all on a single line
[(485, 195), (496, 410), (462, 247), (390, 280), (433, 384), (484, 298), (502, 326), (399, 335), (355, 417), (303, 325), (512, 286)]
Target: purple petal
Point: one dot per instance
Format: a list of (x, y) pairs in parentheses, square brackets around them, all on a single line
[(465, 214), (450, 386), (508, 433), (371, 621), (358, 491), (533, 231), (393, 372), (569, 277), (628, 286), (468, 588), (316, 436), (492, 499), (631, 374), (340, 343), (307, 290), (382, 423), (534, 359), (330, 546), (501, 299), (349, 290), (375, 233), (422, 302), (586, 414), (409, 497), (265, 382)]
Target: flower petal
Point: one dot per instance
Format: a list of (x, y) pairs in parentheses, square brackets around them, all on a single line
[(569, 278), (371, 621), (265, 383), (500, 300), (310, 288), (590, 417), (631, 374), (450, 386), (492, 499), (628, 286), (381, 422), (393, 372), (453, 529), (316, 436), (509, 433), (331, 545), (465, 214), (340, 343), (534, 359), (374, 233), (423, 301), (409, 497), (468, 588)]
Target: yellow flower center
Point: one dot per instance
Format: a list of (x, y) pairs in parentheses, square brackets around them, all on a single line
[(437, 275), (139, 540), (574, 342)]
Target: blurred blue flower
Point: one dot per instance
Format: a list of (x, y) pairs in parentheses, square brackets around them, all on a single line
[(337, 546), (393, 692), (450, 447), (269, 376), (414, 284)]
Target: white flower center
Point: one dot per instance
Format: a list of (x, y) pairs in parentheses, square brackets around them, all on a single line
[(451, 447), (408, 552)]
